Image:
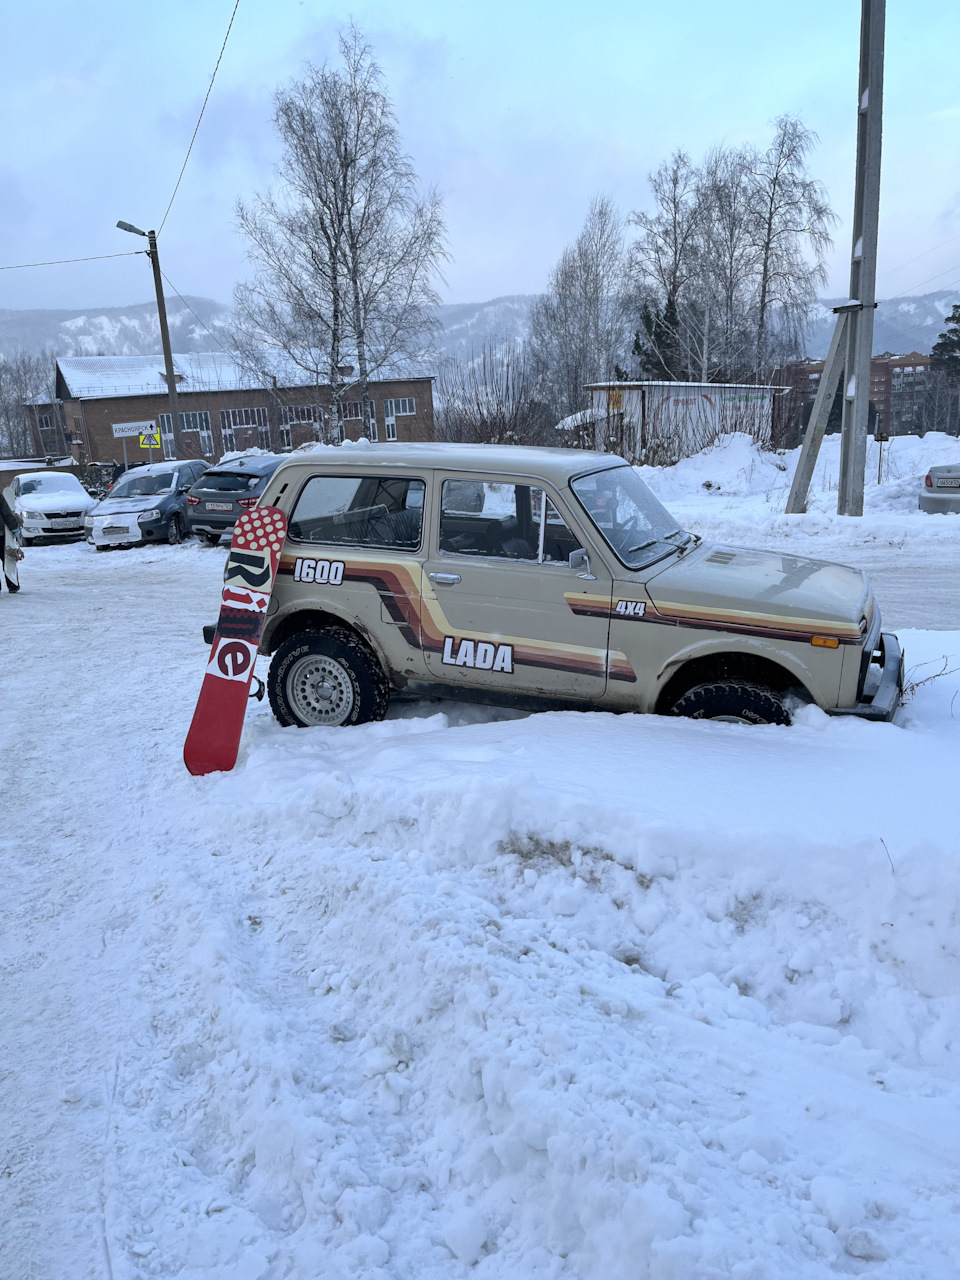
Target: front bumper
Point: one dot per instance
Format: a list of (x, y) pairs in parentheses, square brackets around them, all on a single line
[(883, 687), (37, 529)]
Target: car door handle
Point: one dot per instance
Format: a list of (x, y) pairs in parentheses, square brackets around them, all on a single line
[(444, 579)]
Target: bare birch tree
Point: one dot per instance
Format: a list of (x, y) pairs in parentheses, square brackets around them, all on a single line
[(792, 221), (579, 328), (346, 249), (25, 380)]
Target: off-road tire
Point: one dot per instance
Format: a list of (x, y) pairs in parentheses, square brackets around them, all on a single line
[(736, 700), (358, 662), (175, 530)]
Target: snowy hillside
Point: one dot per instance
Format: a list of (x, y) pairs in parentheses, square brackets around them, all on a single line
[(472, 992), (115, 331), (900, 325), (904, 325)]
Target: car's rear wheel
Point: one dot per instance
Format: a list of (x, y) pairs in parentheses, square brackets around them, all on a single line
[(211, 539), (175, 530), (328, 677), (735, 701)]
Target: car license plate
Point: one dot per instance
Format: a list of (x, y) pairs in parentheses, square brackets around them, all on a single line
[(109, 530), (952, 483), (64, 524), (219, 506)]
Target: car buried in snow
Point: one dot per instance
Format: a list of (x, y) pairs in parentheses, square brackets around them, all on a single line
[(546, 577)]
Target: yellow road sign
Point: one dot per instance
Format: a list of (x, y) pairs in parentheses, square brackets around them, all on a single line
[(150, 441)]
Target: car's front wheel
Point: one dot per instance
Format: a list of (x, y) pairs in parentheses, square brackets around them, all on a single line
[(736, 701), (175, 530), (328, 677)]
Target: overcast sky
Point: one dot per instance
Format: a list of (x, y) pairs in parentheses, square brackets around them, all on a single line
[(517, 111)]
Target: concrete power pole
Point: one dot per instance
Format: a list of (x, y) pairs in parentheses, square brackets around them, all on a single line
[(171, 378), (154, 257), (852, 344)]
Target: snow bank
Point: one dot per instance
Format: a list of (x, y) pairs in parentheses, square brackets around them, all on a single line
[(735, 487), (468, 992)]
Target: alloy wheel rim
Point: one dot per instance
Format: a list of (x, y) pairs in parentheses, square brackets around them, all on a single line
[(320, 690)]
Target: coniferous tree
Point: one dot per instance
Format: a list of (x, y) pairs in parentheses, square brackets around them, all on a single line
[(945, 356)]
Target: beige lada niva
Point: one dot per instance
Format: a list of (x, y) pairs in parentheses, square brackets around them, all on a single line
[(547, 577)]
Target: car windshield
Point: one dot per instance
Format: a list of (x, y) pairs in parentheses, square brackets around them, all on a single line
[(631, 520), (229, 481), (49, 484), (141, 486)]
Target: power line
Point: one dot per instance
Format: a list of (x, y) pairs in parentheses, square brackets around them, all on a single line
[(200, 116), (933, 248), (196, 317), (58, 262)]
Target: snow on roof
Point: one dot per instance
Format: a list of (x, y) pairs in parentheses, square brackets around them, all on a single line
[(89, 377), (98, 377)]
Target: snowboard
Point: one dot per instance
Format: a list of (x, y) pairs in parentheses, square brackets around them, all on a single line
[(213, 739), (12, 550)]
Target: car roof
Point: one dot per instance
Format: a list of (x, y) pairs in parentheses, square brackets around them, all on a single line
[(258, 465), (45, 471), (158, 468), (556, 465)]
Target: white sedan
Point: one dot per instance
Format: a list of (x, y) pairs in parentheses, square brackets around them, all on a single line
[(52, 503)]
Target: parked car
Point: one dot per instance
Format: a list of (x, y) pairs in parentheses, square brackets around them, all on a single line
[(941, 490), (145, 505), (53, 505), (518, 574), (223, 493)]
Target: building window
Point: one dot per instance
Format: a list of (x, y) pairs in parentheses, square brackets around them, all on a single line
[(406, 406), (373, 431), (391, 430), (351, 409), (229, 440), (243, 418), (291, 413), (199, 421), (166, 435), (286, 441)]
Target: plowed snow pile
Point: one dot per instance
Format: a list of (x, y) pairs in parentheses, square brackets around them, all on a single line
[(467, 992)]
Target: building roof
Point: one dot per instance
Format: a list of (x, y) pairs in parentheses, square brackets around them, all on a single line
[(556, 465), (106, 377)]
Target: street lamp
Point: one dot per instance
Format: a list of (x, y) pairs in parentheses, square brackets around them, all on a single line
[(153, 255)]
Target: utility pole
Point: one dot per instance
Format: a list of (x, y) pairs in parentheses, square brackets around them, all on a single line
[(852, 344), (154, 256)]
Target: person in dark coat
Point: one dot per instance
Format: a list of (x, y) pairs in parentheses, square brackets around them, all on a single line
[(10, 522)]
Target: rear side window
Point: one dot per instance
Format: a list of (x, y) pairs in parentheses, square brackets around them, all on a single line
[(365, 511)]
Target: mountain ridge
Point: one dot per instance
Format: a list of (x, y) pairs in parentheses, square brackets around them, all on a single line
[(901, 324)]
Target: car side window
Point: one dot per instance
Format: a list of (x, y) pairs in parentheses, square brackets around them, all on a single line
[(366, 511), (502, 521)]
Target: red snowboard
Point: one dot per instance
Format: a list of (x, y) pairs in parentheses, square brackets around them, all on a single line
[(214, 737)]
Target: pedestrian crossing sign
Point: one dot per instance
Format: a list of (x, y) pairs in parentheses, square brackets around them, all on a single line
[(150, 440)]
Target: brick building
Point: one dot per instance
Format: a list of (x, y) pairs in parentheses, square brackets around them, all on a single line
[(905, 398), (221, 407)]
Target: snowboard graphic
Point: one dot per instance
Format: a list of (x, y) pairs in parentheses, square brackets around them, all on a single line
[(214, 736), (12, 552)]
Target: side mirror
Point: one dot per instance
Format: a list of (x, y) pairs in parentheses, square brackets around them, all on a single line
[(185, 488), (580, 560)]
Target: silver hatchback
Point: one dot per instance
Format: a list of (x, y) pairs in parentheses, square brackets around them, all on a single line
[(941, 490)]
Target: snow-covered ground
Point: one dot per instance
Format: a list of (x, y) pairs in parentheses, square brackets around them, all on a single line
[(470, 992)]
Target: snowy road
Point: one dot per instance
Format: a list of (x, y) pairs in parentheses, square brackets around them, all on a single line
[(562, 996)]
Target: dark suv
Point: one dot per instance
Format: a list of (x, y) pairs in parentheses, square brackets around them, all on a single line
[(223, 493)]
